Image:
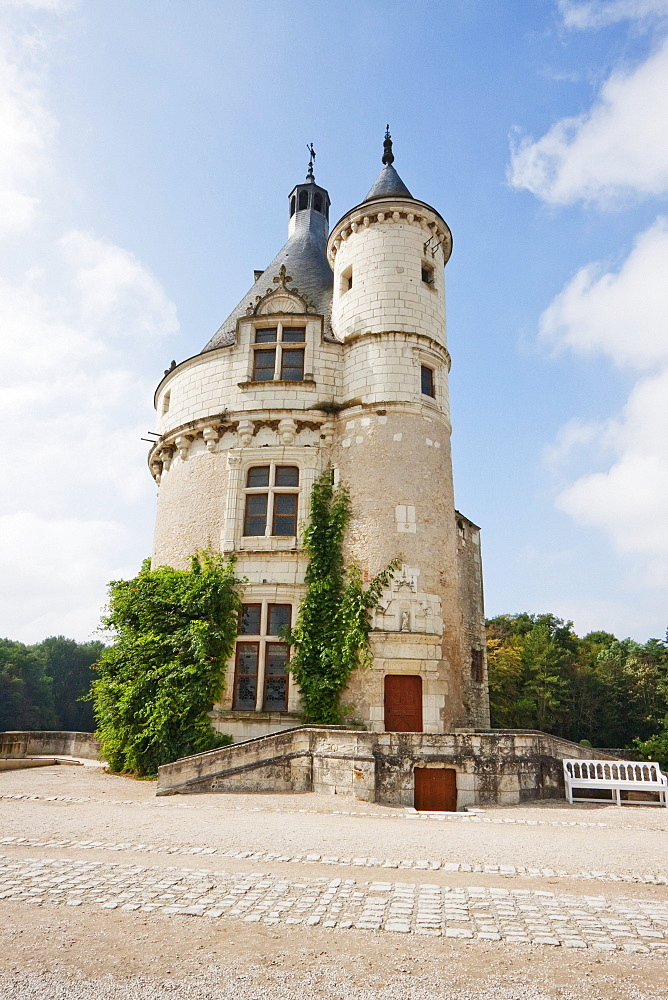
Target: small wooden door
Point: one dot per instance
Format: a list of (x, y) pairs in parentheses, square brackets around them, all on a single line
[(435, 789), (403, 703)]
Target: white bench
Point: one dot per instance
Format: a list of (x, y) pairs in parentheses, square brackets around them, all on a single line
[(617, 776)]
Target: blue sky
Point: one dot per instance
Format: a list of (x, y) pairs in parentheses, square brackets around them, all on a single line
[(146, 152)]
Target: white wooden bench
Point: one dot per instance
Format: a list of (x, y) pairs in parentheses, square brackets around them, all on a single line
[(617, 776)]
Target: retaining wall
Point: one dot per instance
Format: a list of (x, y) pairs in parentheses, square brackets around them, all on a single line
[(503, 767), (41, 743)]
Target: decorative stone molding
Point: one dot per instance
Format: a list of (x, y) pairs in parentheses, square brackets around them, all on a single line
[(156, 471), (287, 428), (245, 430), (440, 234), (210, 435), (281, 299)]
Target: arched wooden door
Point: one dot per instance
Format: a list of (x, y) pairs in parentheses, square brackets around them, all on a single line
[(435, 789), (403, 703)]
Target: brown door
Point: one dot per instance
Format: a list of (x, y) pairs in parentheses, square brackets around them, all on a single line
[(436, 789), (403, 703)]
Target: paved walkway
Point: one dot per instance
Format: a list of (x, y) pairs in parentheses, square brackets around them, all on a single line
[(511, 915)]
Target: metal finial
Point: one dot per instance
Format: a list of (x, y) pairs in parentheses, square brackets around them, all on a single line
[(310, 175), (388, 155)]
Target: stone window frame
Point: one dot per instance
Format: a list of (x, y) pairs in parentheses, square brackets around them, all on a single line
[(272, 490), (311, 326), (262, 640), (239, 461), (426, 359)]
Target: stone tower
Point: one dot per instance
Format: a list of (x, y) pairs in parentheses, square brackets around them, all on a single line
[(336, 356)]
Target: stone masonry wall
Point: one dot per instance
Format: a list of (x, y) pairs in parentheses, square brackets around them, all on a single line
[(503, 767), (44, 743)]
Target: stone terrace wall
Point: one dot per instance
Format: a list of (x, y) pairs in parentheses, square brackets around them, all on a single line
[(503, 767), (43, 743)]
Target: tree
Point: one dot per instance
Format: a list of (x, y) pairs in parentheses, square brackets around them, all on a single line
[(174, 631), (69, 664), (331, 634), (26, 694)]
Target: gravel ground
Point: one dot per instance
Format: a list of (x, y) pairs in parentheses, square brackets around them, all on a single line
[(529, 924)]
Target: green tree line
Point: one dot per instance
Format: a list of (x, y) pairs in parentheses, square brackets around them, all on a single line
[(41, 685), (607, 691)]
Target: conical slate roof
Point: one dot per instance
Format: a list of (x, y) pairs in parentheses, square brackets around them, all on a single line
[(388, 183), (305, 259)]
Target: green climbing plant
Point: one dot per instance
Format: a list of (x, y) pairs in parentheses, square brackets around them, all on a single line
[(173, 632), (331, 634)]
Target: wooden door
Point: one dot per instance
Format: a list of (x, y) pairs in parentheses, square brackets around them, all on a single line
[(435, 789), (403, 703)]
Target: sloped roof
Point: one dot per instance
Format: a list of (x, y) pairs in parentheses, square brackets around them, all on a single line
[(305, 259), (388, 184)]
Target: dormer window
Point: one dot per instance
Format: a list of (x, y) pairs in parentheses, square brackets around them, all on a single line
[(276, 360)]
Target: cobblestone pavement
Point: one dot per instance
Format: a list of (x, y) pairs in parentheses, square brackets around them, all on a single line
[(510, 915), (406, 864)]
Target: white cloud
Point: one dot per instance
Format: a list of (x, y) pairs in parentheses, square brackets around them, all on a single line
[(623, 316), (630, 500), (26, 131), (600, 13), (618, 148), (77, 370), (53, 573), (620, 314)]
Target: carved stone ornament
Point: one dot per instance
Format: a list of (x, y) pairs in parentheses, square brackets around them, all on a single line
[(245, 431), (156, 470), (183, 445), (287, 428), (405, 621), (281, 299), (210, 435), (327, 432), (166, 455)]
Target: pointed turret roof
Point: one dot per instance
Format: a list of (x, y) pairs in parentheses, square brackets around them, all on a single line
[(388, 183)]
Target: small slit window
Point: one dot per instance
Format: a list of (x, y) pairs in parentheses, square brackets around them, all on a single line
[(346, 280), (303, 200), (428, 274), (427, 380), (165, 403), (477, 666)]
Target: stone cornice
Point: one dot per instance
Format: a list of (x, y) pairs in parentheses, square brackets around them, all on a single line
[(385, 211)]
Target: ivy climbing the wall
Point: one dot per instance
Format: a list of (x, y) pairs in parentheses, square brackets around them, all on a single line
[(174, 631), (331, 634)]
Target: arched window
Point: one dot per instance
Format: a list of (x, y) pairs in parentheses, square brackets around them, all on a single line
[(293, 206), (303, 200), (317, 202)]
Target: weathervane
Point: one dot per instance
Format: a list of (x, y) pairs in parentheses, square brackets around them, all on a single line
[(310, 176)]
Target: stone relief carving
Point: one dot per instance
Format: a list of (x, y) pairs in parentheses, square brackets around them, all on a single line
[(403, 607)]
